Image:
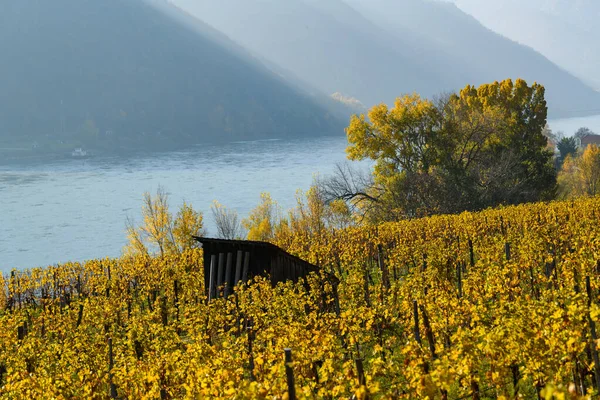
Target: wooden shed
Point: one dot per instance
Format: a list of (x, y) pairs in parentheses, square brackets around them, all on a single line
[(227, 262)]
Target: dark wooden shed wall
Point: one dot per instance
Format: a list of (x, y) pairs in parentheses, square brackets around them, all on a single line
[(263, 259)]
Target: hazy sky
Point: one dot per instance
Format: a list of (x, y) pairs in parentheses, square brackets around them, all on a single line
[(563, 30)]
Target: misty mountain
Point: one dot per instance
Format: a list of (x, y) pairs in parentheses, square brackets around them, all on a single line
[(137, 73), (565, 31), (484, 55), (327, 44), (375, 50)]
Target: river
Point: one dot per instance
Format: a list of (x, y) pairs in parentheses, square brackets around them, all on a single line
[(73, 210)]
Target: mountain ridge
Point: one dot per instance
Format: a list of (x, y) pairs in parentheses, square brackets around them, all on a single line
[(145, 71), (563, 31), (384, 60)]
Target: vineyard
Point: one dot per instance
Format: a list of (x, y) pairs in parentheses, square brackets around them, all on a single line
[(497, 304)]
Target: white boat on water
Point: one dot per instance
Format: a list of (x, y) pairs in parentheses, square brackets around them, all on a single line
[(79, 153)]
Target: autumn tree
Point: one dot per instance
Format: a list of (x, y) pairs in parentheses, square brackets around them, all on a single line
[(478, 148), (227, 222), (580, 175), (159, 231), (262, 221), (187, 224), (314, 214)]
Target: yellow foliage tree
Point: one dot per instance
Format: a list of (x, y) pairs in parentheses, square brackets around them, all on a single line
[(580, 175), (589, 170), (313, 214), (263, 220), (478, 148), (188, 223), (160, 231)]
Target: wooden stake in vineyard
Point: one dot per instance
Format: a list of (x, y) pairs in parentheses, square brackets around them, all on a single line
[(113, 387), (289, 373), (471, 254), (592, 324), (385, 274)]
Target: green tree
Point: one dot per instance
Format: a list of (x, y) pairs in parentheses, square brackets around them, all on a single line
[(567, 146)]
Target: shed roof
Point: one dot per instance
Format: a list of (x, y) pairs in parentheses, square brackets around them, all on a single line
[(252, 243)]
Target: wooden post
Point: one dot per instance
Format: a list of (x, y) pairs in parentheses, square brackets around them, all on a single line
[(220, 272), (80, 315), (21, 332), (164, 313), (238, 267), (108, 281), (113, 387), (150, 303), (360, 371), (429, 332), (459, 280), (163, 384), (533, 288), (246, 267), (289, 372), (516, 376), (471, 254), (250, 329), (315, 370), (213, 278), (385, 275), (336, 298), (593, 347), (417, 331), (366, 287), (139, 350), (176, 298), (507, 251), (228, 272), (476, 395)]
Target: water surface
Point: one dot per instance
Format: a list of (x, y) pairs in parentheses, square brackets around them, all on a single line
[(76, 209)]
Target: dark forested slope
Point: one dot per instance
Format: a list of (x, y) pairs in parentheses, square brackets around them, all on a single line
[(136, 73)]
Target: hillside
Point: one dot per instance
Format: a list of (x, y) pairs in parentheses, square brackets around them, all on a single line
[(564, 30), (376, 50), (136, 74), (497, 304)]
